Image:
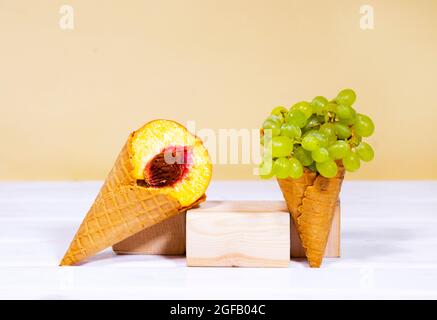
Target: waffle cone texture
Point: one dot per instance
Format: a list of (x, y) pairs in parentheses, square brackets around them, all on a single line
[(311, 201), (121, 209)]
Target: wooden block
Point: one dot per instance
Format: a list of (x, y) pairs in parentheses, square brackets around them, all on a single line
[(332, 247), (166, 238), (238, 234)]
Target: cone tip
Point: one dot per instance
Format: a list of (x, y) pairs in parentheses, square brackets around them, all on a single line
[(315, 264), (65, 262)]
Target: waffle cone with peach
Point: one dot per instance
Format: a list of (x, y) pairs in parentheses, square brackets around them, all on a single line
[(161, 171)]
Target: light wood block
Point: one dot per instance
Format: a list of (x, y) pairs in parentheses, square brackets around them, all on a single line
[(238, 234), (332, 247), (166, 238)]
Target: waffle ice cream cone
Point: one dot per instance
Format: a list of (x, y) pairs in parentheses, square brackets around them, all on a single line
[(121, 209), (311, 201)]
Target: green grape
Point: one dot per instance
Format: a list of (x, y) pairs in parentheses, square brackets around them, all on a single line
[(303, 156), (320, 155), (296, 168), (272, 125), (266, 176), (342, 131), (346, 97), (328, 130), (265, 171), (309, 132), (332, 140), (290, 130), (323, 138), (282, 168), (281, 146), (355, 139), (310, 142), (365, 151), (305, 131), (267, 150), (319, 104), (276, 117), (364, 125), (266, 140), (313, 121), (330, 107), (279, 110), (312, 167), (351, 162), (320, 136), (297, 118), (348, 122), (351, 120), (338, 149), (328, 169), (303, 106), (344, 112)]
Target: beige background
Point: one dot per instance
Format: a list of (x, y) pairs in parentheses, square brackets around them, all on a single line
[(68, 99)]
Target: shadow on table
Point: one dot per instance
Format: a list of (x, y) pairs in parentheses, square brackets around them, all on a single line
[(61, 238), (375, 242)]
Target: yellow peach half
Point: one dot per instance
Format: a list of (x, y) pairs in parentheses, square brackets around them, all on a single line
[(166, 156)]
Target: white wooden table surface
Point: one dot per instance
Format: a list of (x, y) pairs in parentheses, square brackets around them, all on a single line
[(389, 247)]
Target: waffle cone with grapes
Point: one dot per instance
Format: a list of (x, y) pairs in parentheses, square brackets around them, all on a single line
[(311, 200), (311, 145), (142, 190)]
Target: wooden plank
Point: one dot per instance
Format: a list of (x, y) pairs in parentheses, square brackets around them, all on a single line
[(242, 206), (332, 247), (240, 234), (166, 238)]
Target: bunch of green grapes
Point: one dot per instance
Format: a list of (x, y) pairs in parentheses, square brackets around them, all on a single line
[(319, 135)]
